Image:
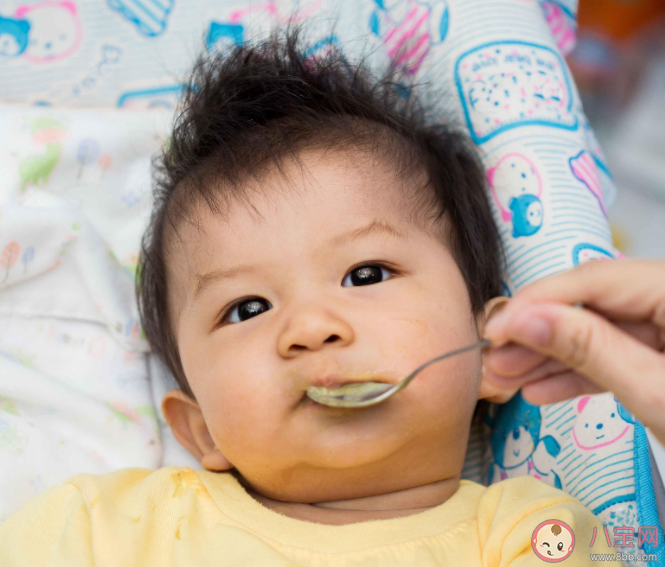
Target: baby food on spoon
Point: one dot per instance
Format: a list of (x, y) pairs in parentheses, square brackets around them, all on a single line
[(348, 395)]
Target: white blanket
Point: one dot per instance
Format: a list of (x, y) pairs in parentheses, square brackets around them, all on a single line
[(75, 393)]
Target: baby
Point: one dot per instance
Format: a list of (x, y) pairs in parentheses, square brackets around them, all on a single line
[(311, 227)]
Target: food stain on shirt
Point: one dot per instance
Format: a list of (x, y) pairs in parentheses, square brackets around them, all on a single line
[(177, 530), (184, 480)]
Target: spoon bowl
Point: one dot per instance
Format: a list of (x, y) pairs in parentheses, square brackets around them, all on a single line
[(364, 394)]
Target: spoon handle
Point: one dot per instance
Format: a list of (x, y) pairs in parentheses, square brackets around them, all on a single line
[(482, 344)]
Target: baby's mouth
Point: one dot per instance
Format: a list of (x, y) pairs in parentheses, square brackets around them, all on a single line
[(333, 382), (357, 386)]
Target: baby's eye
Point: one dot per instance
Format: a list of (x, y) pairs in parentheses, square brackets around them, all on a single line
[(366, 275), (559, 545), (246, 310)]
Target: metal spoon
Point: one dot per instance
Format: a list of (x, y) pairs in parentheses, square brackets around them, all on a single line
[(363, 394)]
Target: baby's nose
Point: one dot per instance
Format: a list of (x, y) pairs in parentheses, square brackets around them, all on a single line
[(330, 339), (599, 426), (311, 328)]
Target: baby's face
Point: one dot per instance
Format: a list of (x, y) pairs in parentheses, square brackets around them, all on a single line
[(325, 281)]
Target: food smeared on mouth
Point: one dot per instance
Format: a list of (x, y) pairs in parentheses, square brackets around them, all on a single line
[(348, 394)]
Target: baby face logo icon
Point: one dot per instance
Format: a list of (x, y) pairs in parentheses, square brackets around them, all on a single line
[(553, 541)]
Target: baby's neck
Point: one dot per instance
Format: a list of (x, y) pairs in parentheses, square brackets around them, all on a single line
[(379, 507)]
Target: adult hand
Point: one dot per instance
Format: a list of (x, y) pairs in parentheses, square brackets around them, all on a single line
[(556, 351)]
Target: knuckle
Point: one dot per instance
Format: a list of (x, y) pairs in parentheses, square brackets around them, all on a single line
[(579, 346)]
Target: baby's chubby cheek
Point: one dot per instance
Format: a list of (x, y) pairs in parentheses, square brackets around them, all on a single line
[(417, 327), (242, 408), (445, 384)]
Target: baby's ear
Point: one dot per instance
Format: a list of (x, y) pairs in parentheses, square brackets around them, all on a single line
[(186, 420), (492, 307), (489, 391)]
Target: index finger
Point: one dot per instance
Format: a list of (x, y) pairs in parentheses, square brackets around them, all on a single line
[(628, 290)]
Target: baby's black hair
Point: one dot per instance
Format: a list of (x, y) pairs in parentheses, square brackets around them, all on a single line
[(249, 109)]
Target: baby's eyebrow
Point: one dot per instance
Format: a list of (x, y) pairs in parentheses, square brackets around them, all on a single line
[(204, 281), (376, 226)]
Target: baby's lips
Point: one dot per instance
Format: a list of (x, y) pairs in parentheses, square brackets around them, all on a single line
[(336, 381)]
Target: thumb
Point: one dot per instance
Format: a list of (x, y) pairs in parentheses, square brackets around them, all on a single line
[(591, 346)]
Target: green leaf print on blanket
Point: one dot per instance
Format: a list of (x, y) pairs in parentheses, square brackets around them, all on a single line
[(36, 169), (7, 405)]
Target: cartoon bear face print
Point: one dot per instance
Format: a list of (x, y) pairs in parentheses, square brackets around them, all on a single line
[(13, 36), (518, 447), (223, 36), (513, 175), (598, 423), (527, 215), (55, 30)]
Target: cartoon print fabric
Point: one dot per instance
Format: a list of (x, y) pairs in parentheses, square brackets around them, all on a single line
[(13, 36), (409, 28), (149, 16), (516, 187), (496, 65), (104, 49), (584, 446), (506, 85), (500, 66), (41, 32)]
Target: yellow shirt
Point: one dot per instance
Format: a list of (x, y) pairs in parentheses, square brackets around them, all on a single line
[(176, 516)]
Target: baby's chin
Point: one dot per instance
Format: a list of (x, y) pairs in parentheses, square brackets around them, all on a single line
[(353, 457), (352, 441)]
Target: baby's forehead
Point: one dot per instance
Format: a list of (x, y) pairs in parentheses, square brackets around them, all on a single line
[(310, 197)]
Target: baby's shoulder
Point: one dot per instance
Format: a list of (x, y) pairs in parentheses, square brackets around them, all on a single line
[(525, 501), (138, 487), (523, 495)]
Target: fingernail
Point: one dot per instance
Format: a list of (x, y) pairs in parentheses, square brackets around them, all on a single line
[(536, 330)]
